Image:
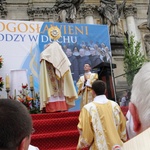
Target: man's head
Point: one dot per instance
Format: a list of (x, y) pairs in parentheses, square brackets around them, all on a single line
[(87, 67), (15, 125), (99, 87), (140, 99), (81, 52), (92, 51), (124, 93), (75, 49), (69, 52)]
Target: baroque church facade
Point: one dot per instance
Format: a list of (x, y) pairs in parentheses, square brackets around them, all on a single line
[(132, 18)]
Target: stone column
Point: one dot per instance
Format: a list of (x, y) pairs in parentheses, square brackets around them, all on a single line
[(88, 13), (81, 15), (129, 13)]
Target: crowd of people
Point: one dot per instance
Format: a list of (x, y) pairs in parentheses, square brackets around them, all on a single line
[(102, 124), (86, 53)]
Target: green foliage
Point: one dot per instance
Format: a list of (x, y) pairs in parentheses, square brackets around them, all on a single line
[(1, 61), (133, 59), (31, 102)]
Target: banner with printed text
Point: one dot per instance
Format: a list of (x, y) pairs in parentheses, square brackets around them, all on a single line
[(21, 43)]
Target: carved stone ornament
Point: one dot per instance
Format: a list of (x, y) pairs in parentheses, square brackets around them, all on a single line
[(3, 10), (147, 44), (88, 10), (130, 10), (67, 10)]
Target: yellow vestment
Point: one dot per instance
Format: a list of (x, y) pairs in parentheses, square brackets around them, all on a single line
[(102, 126), (85, 90), (57, 91)]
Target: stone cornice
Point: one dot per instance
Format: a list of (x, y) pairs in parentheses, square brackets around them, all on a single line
[(118, 52), (34, 12)]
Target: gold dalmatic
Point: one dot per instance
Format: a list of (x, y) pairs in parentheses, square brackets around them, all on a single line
[(54, 32)]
